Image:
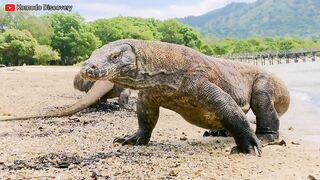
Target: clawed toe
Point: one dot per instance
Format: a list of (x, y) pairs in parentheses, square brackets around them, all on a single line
[(248, 145), (236, 150), (267, 138), (217, 133), (135, 139), (118, 140)]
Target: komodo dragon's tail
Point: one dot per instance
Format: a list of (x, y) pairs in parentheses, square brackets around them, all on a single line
[(99, 89)]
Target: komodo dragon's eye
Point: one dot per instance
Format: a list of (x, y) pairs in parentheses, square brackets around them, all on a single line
[(115, 56)]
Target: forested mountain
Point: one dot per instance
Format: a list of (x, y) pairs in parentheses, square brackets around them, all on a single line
[(272, 18)]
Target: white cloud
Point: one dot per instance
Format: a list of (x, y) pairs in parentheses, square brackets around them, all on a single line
[(93, 11)]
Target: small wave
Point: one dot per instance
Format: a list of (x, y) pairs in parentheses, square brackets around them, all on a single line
[(306, 97)]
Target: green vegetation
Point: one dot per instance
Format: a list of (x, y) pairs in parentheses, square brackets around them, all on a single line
[(108, 30), (72, 38), (67, 39), (44, 54), (39, 27), (172, 31), (25, 39), (265, 18), (19, 47), (256, 45)]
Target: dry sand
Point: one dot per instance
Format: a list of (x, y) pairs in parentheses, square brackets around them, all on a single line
[(80, 147)]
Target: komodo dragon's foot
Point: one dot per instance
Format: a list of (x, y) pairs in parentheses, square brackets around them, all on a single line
[(266, 138), (217, 133), (137, 138), (247, 145)]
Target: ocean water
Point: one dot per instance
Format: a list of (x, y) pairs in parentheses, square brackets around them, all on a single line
[(303, 116)]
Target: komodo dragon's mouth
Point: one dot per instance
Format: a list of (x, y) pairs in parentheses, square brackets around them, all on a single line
[(87, 76), (92, 74), (97, 75)]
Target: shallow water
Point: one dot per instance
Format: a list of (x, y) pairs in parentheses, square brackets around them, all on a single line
[(303, 116)]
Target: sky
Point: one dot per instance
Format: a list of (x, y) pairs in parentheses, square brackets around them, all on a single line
[(160, 9)]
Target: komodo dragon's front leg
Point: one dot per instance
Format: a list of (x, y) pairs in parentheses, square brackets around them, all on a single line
[(214, 99), (148, 114), (262, 105)]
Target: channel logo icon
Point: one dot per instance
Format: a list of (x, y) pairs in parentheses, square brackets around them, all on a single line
[(9, 7)]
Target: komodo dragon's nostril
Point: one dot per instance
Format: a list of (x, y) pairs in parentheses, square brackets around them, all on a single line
[(93, 66)]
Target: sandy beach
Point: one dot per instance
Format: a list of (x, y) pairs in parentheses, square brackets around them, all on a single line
[(81, 146)]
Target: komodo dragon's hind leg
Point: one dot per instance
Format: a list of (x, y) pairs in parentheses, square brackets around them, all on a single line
[(267, 120)]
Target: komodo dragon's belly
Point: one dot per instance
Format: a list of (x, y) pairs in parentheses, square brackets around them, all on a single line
[(192, 113), (190, 110), (201, 118)]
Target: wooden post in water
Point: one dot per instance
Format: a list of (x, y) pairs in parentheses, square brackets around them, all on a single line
[(295, 58), (313, 56), (279, 59)]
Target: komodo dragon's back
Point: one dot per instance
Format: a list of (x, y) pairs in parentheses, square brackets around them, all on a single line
[(241, 76)]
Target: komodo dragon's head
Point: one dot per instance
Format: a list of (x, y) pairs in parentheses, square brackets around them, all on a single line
[(109, 61)]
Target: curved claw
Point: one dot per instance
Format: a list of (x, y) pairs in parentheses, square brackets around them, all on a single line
[(259, 148), (135, 139), (267, 138), (119, 140), (217, 133), (248, 146)]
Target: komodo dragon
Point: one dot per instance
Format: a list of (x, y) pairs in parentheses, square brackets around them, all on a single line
[(117, 90), (95, 91), (207, 92)]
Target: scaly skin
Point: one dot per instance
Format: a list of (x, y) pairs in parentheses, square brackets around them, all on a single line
[(117, 91), (207, 92)]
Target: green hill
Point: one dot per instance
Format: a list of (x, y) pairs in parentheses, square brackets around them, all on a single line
[(272, 18)]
